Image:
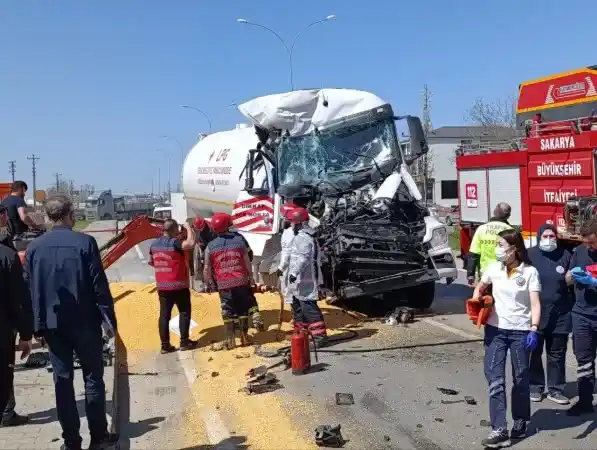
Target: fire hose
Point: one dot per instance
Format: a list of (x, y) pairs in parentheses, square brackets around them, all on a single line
[(351, 334)]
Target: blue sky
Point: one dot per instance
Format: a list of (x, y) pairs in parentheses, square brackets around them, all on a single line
[(90, 86)]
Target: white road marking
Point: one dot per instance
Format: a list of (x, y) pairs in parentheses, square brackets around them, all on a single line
[(466, 335), (139, 253), (451, 329), (214, 425)]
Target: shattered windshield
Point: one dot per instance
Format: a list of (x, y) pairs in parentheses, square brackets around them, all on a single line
[(345, 150)]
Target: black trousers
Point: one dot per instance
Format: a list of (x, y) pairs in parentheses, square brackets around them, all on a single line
[(237, 302), (182, 299), (555, 347), (307, 314), (7, 358)]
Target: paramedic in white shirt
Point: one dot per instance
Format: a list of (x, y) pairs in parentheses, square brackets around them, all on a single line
[(512, 325)]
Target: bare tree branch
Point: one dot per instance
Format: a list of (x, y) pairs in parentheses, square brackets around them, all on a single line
[(493, 115)]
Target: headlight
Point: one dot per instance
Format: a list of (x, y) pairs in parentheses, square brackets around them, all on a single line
[(439, 237), (380, 205)]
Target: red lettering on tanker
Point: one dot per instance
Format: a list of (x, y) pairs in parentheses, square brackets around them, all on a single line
[(553, 195)]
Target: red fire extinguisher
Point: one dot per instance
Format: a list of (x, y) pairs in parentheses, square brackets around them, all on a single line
[(300, 354)]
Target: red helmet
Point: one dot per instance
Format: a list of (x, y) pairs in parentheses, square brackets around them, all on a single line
[(220, 222), (199, 223), (297, 215), (286, 209)]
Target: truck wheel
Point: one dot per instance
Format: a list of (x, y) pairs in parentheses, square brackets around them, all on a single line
[(421, 296)]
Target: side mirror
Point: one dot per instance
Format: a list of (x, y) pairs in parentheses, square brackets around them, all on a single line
[(418, 142)]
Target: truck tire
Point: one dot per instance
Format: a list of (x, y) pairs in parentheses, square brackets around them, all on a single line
[(421, 296), (107, 217)]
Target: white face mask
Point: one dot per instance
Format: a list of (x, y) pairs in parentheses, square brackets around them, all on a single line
[(502, 254), (548, 245)]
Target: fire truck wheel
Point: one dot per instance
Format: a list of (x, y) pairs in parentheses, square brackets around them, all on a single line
[(421, 296)]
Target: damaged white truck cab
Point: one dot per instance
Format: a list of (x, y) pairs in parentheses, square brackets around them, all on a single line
[(335, 151)]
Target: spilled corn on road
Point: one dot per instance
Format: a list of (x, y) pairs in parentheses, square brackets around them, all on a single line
[(191, 400)]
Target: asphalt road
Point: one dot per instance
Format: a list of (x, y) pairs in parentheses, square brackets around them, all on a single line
[(396, 401)]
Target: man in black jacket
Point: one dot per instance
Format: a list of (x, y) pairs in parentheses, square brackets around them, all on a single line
[(10, 418), (71, 298), (15, 314)]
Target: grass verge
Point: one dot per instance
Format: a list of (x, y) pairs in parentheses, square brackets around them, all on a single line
[(454, 239)]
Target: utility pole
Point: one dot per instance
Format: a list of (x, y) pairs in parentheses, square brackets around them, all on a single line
[(12, 168), (427, 127), (71, 188), (34, 160), (57, 175)]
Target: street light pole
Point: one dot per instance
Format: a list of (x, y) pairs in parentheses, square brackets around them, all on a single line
[(288, 49), (200, 111), (168, 155)]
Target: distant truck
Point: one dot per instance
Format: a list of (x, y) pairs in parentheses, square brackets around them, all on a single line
[(106, 206)]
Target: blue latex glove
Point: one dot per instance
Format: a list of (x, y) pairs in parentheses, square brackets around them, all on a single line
[(532, 340), (582, 277)]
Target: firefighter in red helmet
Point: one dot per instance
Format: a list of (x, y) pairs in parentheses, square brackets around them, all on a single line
[(304, 277), (228, 267)]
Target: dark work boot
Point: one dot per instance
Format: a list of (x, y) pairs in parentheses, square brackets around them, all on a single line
[(229, 339), (167, 348), (14, 421), (188, 344), (109, 441)]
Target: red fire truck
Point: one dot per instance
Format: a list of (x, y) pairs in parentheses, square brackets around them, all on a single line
[(549, 173)]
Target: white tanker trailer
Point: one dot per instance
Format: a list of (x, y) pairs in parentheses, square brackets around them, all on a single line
[(335, 151)]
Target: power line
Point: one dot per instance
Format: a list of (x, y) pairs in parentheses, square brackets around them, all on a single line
[(12, 168), (34, 160)]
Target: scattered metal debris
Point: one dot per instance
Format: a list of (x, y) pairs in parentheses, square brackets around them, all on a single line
[(439, 419), (328, 436), (210, 359), (37, 359), (448, 391), (354, 373), (261, 383), (419, 426), (451, 402), (215, 374), (401, 315), (470, 400), (344, 399), (386, 438)]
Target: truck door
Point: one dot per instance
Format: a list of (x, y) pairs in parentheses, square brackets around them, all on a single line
[(254, 210)]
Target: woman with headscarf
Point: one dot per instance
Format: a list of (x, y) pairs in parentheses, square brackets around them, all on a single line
[(552, 262)]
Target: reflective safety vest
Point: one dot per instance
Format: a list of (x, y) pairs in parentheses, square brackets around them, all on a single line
[(485, 240), (170, 266), (227, 258)]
